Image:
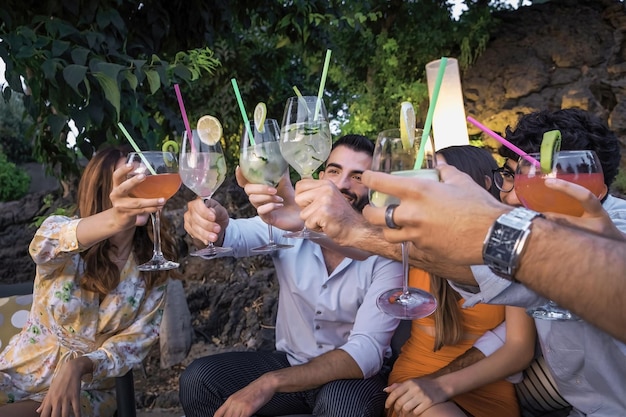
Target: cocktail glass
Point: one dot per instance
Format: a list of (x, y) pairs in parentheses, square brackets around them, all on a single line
[(580, 167), (391, 156), (203, 170), (261, 162), (305, 141), (163, 183)]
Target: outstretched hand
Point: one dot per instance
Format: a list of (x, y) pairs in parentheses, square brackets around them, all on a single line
[(447, 220), (126, 207), (205, 220), (594, 218), (246, 401), (275, 205), (325, 208)]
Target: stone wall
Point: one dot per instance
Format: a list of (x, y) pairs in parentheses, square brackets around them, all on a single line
[(564, 53)]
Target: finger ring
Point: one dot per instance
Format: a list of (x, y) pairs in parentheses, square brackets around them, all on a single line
[(389, 216)]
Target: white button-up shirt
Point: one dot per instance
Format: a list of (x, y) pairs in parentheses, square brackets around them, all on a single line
[(318, 312)]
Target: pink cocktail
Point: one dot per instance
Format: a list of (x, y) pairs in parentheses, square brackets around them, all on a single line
[(579, 167)]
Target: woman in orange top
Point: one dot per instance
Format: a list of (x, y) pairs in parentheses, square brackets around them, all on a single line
[(418, 384)]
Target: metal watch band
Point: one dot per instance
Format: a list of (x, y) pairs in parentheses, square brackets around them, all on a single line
[(506, 239)]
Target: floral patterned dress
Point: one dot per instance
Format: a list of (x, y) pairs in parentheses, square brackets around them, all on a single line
[(65, 321)]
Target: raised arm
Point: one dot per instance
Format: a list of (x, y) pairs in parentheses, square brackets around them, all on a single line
[(449, 221), (275, 205)]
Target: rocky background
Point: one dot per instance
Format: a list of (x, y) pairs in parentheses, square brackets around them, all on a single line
[(560, 54)]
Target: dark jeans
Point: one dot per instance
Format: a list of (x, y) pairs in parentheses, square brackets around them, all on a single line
[(209, 381)]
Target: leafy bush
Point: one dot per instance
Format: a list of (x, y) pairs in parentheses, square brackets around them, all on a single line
[(14, 180)]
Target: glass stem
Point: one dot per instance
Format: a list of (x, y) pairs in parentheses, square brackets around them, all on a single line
[(405, 268), (156, 232), (270, 232)]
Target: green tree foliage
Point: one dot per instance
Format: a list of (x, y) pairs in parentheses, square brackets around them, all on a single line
[(14, 125), (15, 181), (96, 63), (101, 61)]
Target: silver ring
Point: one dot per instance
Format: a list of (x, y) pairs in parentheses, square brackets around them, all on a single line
[(389, 216)]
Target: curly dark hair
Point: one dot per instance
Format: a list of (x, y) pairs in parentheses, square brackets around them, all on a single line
[(580, 130)]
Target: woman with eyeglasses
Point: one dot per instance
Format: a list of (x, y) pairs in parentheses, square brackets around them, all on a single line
[(424, 379)]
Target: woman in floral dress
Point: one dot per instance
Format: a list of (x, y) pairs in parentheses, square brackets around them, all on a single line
[(94, 315)]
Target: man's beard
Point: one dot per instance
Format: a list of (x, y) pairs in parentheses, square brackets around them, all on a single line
[(357, 203)]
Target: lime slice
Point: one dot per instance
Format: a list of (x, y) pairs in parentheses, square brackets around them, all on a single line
[(550, 144), (260, 111), (407, 125), (209, 130)]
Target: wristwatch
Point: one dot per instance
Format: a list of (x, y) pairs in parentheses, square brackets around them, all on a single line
[(505, 241)]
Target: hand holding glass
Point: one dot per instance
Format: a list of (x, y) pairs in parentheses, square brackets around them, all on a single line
[(391, 156), (164, 183), (203, 170), (262, 163), (580, 167), (305, 141)]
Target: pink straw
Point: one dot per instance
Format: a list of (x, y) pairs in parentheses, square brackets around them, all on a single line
[(185, 120), (503, 141)]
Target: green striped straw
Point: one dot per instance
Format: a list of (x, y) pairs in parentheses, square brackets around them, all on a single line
[(242, 109), (136, 148), (431, 111)]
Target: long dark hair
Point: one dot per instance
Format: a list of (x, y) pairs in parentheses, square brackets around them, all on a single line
[(101, 274)]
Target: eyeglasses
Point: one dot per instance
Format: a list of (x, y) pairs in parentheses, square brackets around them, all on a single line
[(503, 178)]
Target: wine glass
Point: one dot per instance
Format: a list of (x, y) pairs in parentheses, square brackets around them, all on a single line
[(203, 170), (162, 180), (393, 157), (305, 141), (580, 167), (262, 163)]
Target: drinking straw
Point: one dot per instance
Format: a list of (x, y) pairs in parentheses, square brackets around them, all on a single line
[(431, 112), (136, 148), (301, 99), (322, 84), (185, 120), (503, 141), (242, 109)]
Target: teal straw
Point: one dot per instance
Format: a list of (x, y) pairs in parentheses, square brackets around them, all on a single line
[(136, 148), (322, 84), (242, 109), (431, 112)]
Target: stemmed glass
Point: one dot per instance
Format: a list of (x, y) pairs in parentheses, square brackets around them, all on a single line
[(162, 180), (391, 156), (203, 170), (305, 141), (262, 163), (580, 167)]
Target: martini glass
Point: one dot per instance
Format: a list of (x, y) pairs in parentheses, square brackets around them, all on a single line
[(162, 180), (203, 170), (393, 157), (261, 162), (305, 142), (580, 167)]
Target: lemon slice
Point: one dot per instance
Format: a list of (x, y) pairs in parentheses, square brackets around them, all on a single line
[(260, 112), (407, 125), (550, 144), (209, 130)]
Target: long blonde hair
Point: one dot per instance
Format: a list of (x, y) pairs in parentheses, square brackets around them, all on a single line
[(448, 315), (101, 274), (479, 164)]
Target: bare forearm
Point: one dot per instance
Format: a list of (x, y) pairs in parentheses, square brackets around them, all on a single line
[(580, 271), (331, 366), (470, 357)]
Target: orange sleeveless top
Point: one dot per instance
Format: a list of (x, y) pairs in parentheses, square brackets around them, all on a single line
[(418, 359)]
